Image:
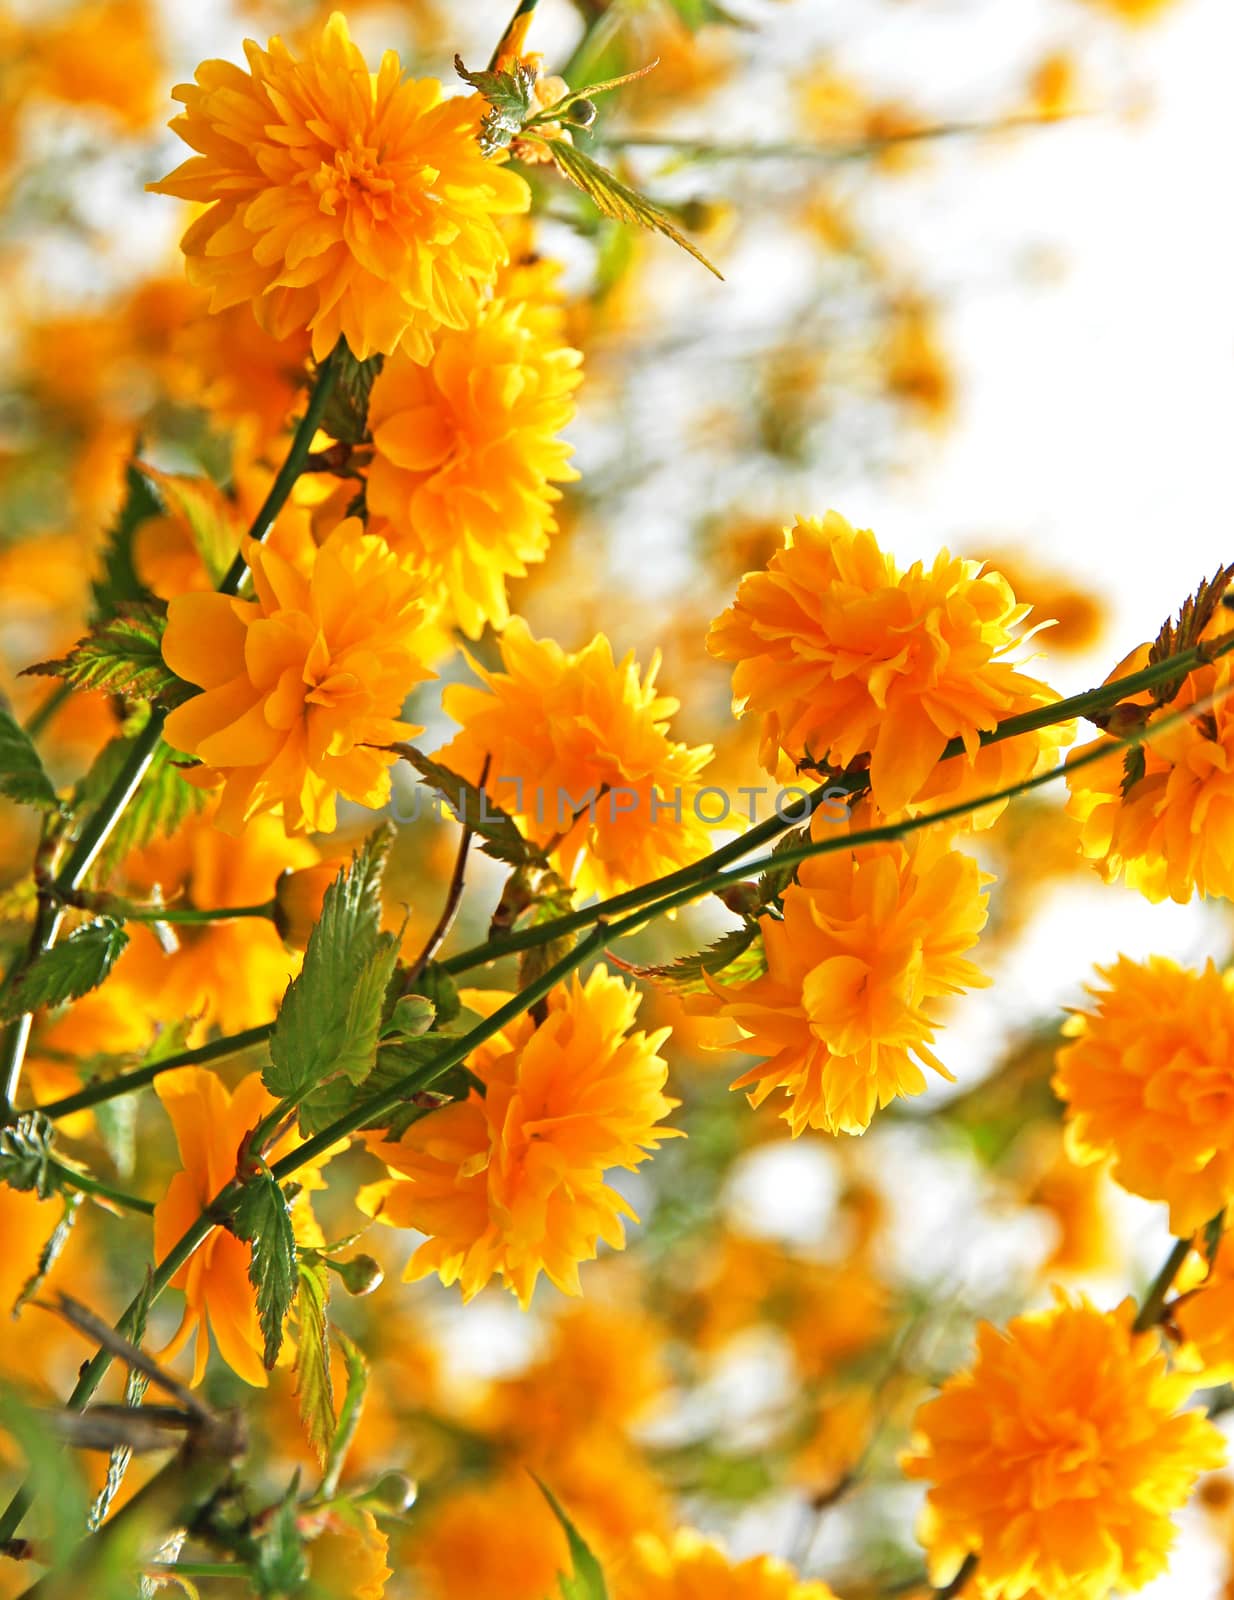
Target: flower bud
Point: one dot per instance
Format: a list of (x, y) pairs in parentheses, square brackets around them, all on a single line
[(361, 1275)]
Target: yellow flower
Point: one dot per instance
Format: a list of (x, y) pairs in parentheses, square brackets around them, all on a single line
[(511, 1181), (349, 1557), (1059, 1456), (561, 729), (844, 1016), (690, 1567), (466, 453), (1170, 830), (842, 656), (301, 682), (1149, 1079), (1205, 1318), (345, 202), (210, 1125), (298, 898)]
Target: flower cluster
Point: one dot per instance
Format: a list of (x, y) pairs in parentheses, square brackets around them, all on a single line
[(845, 659), (356, 205), (869, 940), (303, 685), (511, 1181), (1148, 1077), (1058, 1457)]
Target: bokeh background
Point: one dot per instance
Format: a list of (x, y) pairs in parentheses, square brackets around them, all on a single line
[(977, 260)]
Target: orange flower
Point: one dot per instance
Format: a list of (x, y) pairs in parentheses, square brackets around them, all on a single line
[(349, 1556), (234, 972), (352, 204), (298, 898), (1149, 1079), (1205, 1318), (690, 1567), (210, 1125), (466, 453), (1059, 1456), (844, 1017), (301, 682), (560, 727), (843, 656), (491, 1541), (511, 1181), (1170, 830)]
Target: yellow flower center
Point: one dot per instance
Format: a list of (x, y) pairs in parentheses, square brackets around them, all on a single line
[(358, 177)]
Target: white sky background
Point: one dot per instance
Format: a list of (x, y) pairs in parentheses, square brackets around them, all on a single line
[(1095, 421)]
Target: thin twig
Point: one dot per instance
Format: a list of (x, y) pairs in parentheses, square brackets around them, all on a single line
[(454, 898)]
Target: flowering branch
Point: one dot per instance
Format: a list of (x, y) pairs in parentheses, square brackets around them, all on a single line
[(99, 825), (1091, 703)]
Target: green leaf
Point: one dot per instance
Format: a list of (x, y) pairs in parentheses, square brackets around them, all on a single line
[(118, 584), (586, 1581), (1214, 1231), (313, 1386), (278, 1566), (773, 882), (612, 198), (123, 656), (509, 97), (22, 777), (697, 13), (70, 968), (349, 1412), (212, 519), (330, 1021), (1185, 632), (1135, 764), (263, 1221), (556, 111), (346, 414), (335, 1098), (25, 1154), (163, 800), (689, 973), (135, 1388), (50, 1253), (475, 810)]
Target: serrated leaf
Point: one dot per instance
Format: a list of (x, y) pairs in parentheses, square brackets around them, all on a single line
[(212, 519), (334, 1099), (314, 1389), (330, 1020), (589, 91), (263, 1220), (509, 95), (586, 1580), (1135, 764), (775, 879), (476, 810), (350, 1410), (723, 958), (22, 776), (50, 1253), (346, 415), (25, 1154), (69, 969), (118, 584), (123, 656), (1186, 631), (612, 198), (278, 1567), (135, 1388)]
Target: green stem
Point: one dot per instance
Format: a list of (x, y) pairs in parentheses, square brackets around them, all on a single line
[(1091, 702), (1149, 1314), (191, 916), (94, 1094), (99, 826), (198, 1569), (86, 1183)]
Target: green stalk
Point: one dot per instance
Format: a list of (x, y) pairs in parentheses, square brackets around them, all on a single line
[(86, 1183), (99, 826), (94, 1094), (1087, 704)]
